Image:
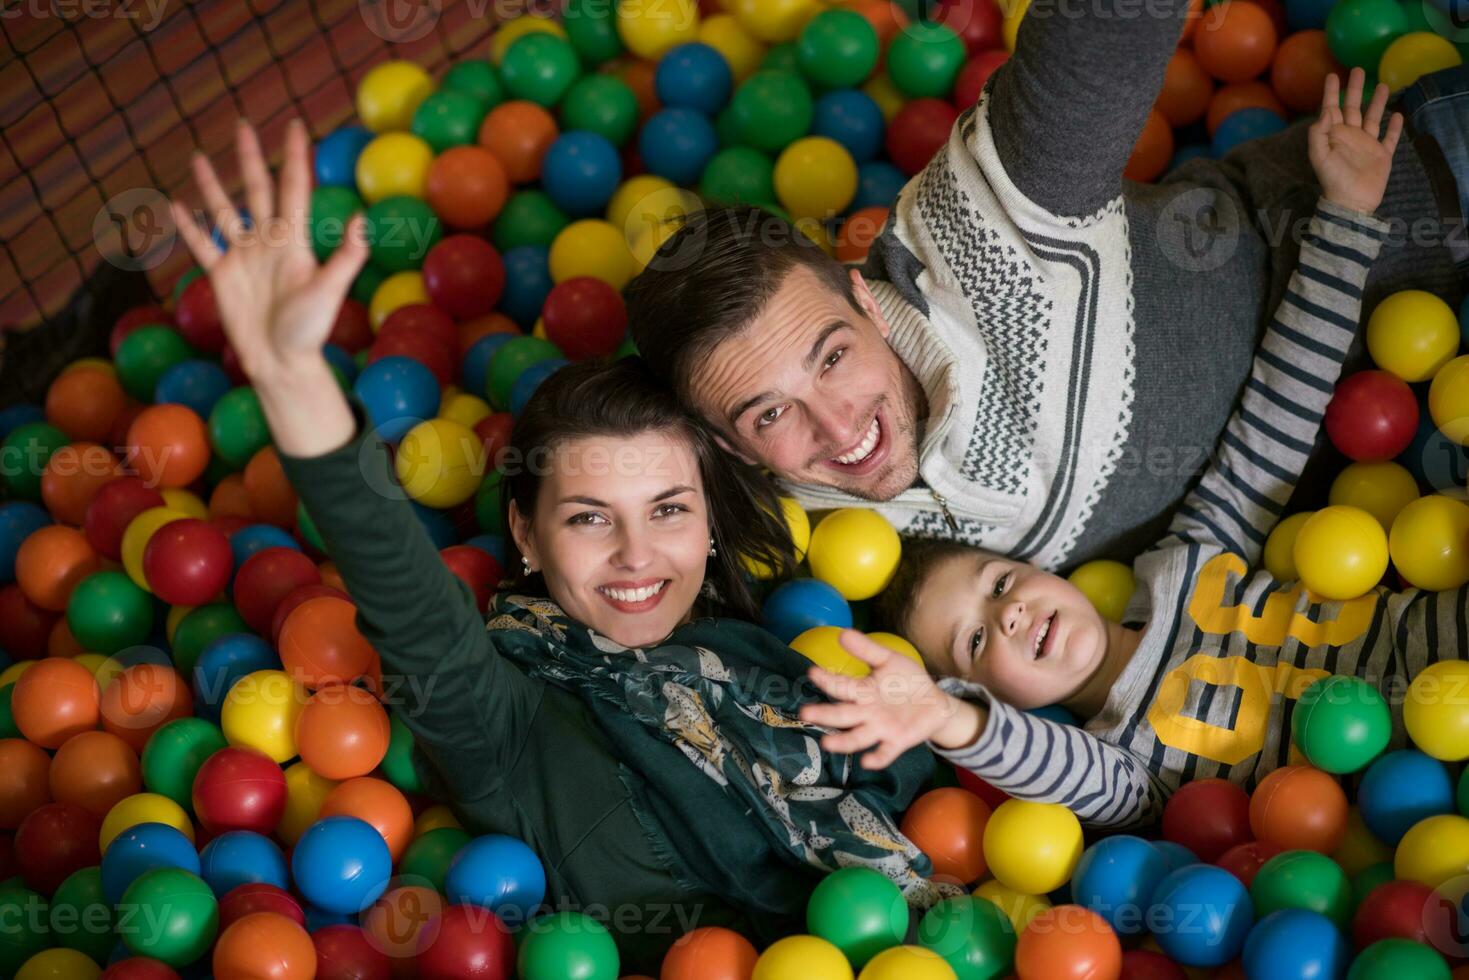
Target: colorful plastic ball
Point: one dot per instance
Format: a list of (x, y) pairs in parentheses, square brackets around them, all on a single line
[(28, 932), (168, 445), (237, 427), (859, 911), (377, 802), (855, 551), (142, 848), (512, 360), (1359, 31), (1340, 552), (390, 93), (142, 699), (146, 355), (143, 808), (1200, 915), (1341, 724), (1302, 880), (580, 172), (440, 463), (1236, 41), (306, 793), (181, 911), (1436, 713), (815, 177), (260, 712), (341, 864), (187, 562), (539, 68), (518, 133), (499, 873), (738, 175), (1299, 808), (676, 144), (344, 952), (1448, 400), (108, 612), (1390, 959), (448, 119), (24, 455), (223, 662), (265, 945), (1108, 585), (585, 318), (253, 897), (466, 186), (239, 789), (397, 393), (822, 646), (1032, 847), (19, 519), (1412, 334), (1115, 878), (396, 922), (1414, 55), (583, 248), (1243, 125), (139, 968), (694, 76), (1430, 543), (53, 842), (852, 119), (972, 934), (917, 132), (1244, 861), (592, 30), (1295, 943), (907, 963), (567, 944), (838, 48), (466, 943), (924, 59), (948, 825), (528, 277), (772, 109), (1068, 942), (1400, 789), (401, 229), (81, 917), (1405, 910), (94, 770), (801, 604), (394, 165), (55, 700), (431, 854), (342, 732), (242, 857), (59, 964), (530, 379), (802, 958), (195, 385), (1382, 489), (336, 156), (650, 30)]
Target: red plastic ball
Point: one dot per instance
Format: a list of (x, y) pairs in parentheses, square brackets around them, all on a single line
[(469, 943), (1245, 860), (113, 509), (918, 131), (1405, 910), (267, 577), (476, 568), (1372, 416), (585, 317), (54, 841), (258, 896), (343, 952), (421, 347), (991, 795), (141, 700), (187, 562), (139, 968), (239, 789), (976, 71), (1208, 817), (352, 330), (979, 23), (464, 276), (424, 319), (494, 431), (197, 314), (288, 605), (1146, 964), (25, 628)]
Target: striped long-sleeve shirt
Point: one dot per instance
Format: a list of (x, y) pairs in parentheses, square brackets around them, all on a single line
[(1226, 648)]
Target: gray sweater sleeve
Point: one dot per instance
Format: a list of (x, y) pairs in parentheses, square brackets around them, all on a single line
[(1068, 107)]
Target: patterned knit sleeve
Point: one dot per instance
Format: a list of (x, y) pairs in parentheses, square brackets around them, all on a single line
[(1037, 759), (1273, 430)]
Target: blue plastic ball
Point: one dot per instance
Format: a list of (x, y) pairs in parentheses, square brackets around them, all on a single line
[(223, 662), (852, 118), (676, 144), (1058, 713), (693, 76), (242, 857), (196, 384), (254, 538), (580, 173), (398, 393), (800, 604), (319, 918), (18, 520), (341, 864), (527, 283), (1242, 126), (491, 544), (338, 358), (1295, 943), (475, 364), (1400, 789), (1307, 15), (1175, 854), (878, 184), (1200, 915), (336, 156), (499, 873), (438, 524), (141, 848), (217, 234), (1187, 152), (1116, 877), (1438, 463), (17, 415), (530, 379)]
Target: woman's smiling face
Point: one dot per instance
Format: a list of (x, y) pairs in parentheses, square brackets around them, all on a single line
[(620, 533)]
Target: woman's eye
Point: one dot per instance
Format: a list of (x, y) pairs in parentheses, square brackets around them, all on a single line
[(668, 510), (587, 518), (769, 415), (1001, 584)]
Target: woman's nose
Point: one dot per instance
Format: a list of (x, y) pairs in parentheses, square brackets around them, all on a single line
[(633, 549)]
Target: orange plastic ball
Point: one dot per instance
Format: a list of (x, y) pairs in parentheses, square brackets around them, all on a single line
[(466, 187), (320, 643), (482, 326), (1191, 20), (72, 477), (377, 802), (55, 700), (51, 561), (230, 498), (23, 780), (1299, 72), (1229, 99), (1068, 942), (62, 642), (1187, 89), (85, 403), (272, 498), (948, 825), (141, 700), (858, 232), (95, 771), (639, 76), (886, 18), (168, 445), (342, 732), (709, 953), (1153, 150), (519, 133), (395, 922), (1299, 808), (265, 946), (1235, 41)]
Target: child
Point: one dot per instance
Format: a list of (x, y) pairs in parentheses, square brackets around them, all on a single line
[(1191, 693)]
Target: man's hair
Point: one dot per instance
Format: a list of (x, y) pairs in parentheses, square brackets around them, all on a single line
[(921, 556), (711, 278)]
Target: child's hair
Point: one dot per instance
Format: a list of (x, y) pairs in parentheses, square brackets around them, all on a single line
[(622, 399), (920, 557)]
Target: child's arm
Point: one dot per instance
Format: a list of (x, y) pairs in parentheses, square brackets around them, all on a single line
[(1271, 434), (463, 703), (899, 705)]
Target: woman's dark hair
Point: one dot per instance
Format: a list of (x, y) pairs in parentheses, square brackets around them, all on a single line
[(622, 399), (921, 556)]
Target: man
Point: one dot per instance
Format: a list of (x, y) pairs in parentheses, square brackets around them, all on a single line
[(1038, 357)]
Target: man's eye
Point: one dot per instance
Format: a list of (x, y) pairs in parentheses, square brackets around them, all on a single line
[(1001, 584), (770, 415), (835, 356)]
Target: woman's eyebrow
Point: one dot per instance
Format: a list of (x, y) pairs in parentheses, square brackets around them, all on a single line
[(594, 502)]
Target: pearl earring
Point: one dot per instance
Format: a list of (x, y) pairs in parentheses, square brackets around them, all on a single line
[(712, 550), (525, 564)]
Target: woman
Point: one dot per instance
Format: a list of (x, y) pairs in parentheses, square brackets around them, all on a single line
[(654, 761)]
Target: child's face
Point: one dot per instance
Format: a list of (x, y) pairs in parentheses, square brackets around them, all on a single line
[(1030, 637)]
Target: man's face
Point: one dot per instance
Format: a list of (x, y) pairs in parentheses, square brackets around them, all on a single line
[(811, 390)]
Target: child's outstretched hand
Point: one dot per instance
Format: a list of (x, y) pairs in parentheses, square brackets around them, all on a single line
[(1350, 160), (892, 709)]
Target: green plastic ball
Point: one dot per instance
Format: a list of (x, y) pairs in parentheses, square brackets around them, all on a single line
[(237, 428), (738, 175), (625, 349), (397, 764), (184, 280), (973, 935), (859, 911), (108, 612), (1414, 20), (772, 109), (924, 59), (591, 26), (331, 208), (510, 361), (168, 914), (1303, 880), (146, 354), (601, 104), (27, 926), (366, 283), (1341, 724), (430, 855), (727, 128), (539, 68), (489, 512), (1359, 31), (838, 48), (1398, 959), (174, 753), (8, 727), (1364, 881), (448, 118), (477, 78), (200, 627), (23, 458), (528, 218), (400, 231), (562, 945), (783, 57), (81, 917)]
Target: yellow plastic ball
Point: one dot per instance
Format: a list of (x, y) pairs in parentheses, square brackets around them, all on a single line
[(434, 818), (1414, 55), (135, 539), (440, 463), (1436, 711), (648, 241), (1359, 849), (650, 28), (591, 247), (306, 791), (96, 664), (399, 289), (907, 963), (1340, 552), (855, 551), (143, 808), (815, 177), (802, 958), (1430, 543), (1448, 400), (513, 30), (92, 363), (185, 502), (1413, 333), (1434, 851), (897, 644), (1108, 585), (880, 89), (799, 524), (465, 409), (12, 673), (390, 93), (1014, 11), (774, 21), (1280, 559), (1381, 489), (175, 616), (741, 49), (649, 202), (822, 646), (59, 964), (393, 164), (260, 712), (1032, 847), (1018, 907)]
